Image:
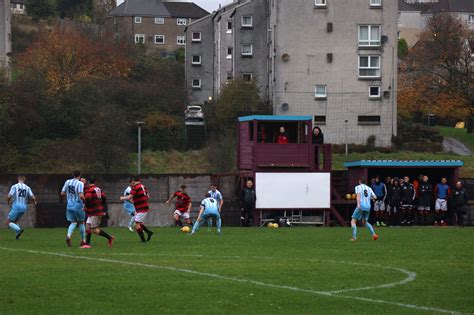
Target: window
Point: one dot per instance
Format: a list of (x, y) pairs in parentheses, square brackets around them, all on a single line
[(374, 91), (471, 19), (230, 76), (369, 35), (247, 21), (181, 21), (399, 20), (368, 120), (139, 38), (160, 39), (375, 3), (181, 40), (196, 84), (320, 91), (320, 3), (247, 50), (229, 27), (230, 52), (319, 120), (138, 20), (369, 66), (196, 36), (196, 60), (21, 6), (247, 77), (159, 20)]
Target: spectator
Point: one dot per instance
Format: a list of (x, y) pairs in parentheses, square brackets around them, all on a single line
[(408, 202), (318, 136), (442, 193), (380, 191), (459, 201), (425, 193), (247, 203), (395, 200), (282, 137)]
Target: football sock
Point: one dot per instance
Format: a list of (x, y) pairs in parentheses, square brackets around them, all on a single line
[(219, 224), (132, 220), (88, 237), (142, 236), (14, 226), (354, 231), (196, 226), (369, 226), (70, 229), (82, 229), (104, 234), (209, 223), (144, 228), (178, 223)]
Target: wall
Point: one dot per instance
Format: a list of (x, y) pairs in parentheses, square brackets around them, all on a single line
[(50, 211), (5, 33)]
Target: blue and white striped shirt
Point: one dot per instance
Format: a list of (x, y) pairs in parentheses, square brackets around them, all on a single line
[(20, 193), (210, 205), (126, 193), (217, 196), (366, 194), (72, 188)]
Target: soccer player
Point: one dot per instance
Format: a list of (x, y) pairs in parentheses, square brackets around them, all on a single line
[(74, 190), (20, 194), (215, 194), (425, 192), (442, 193), (408, 201), (183, 206), (364, 196), (95, 201), (380, 191), (395, 200), (209, 209), (128, 206), (139, 197)]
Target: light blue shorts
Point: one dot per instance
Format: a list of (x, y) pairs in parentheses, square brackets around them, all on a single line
[(129, 208), (208, 215), (16, 212), (75, 212), (360, 214)]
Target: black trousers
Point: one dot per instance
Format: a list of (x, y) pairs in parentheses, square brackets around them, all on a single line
[(247, 215)]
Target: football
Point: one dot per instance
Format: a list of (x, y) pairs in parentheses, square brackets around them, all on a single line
[(270, 225), (185, 229), (275, 225)]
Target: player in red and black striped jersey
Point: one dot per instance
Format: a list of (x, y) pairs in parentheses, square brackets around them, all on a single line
[(139, 197), (183, 206), (96, 208)]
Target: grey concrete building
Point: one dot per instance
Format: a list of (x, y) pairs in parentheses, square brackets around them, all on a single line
[(5, 34), (158, 24), (331, 59), (413, 15)]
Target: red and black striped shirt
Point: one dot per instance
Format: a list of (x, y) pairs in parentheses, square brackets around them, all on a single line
[(182, 201), (140, 198), (95, 198)]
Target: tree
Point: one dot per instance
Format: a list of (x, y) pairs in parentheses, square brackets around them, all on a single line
[(65, 57), (402, 48), (75, 8), (41, 9), (438, 72)]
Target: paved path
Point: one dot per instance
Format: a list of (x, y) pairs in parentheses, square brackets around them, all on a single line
[(453, 145)]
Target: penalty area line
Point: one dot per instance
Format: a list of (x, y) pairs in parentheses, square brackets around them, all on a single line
[(233, 279)]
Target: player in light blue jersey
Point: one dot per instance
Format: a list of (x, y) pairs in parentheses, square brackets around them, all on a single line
[(20, 194), (73, 189), (128, 207), (365, 194), (209, 209), (215, 194)]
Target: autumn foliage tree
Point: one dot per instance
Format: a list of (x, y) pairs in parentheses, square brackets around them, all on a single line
[(438, 75), (65, 57)]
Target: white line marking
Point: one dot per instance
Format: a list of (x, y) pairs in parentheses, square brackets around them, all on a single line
[(259, 283)]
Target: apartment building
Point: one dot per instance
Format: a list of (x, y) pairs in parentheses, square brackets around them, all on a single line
[(5, 34), (331, 59), (157, 24), (413, 15)]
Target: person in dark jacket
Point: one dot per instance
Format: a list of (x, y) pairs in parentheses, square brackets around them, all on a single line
[(425, 194), (460, 201), (380, 191), (247, 203), (408, 202), (318, 136), (395, 200)]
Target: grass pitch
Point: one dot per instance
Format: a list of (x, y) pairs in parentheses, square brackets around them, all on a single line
[(258, 270)]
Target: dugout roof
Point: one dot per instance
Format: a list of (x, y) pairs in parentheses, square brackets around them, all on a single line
[(404, 163), (274, 118)]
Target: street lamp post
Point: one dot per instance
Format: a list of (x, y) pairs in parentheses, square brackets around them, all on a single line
[(139, 155)]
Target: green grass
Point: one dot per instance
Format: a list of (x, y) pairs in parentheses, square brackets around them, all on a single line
[(467, 170), (458, 134), (35, 280)]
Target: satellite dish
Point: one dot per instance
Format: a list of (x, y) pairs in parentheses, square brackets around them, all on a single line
[(285, 57), (285, 106)]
